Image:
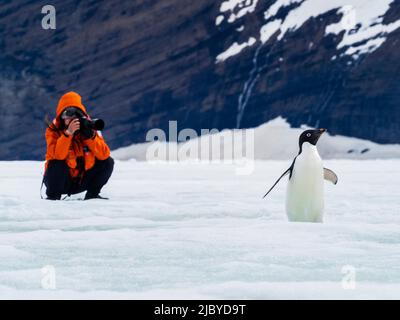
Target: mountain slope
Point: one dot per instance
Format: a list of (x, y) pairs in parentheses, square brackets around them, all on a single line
[(139, 64)]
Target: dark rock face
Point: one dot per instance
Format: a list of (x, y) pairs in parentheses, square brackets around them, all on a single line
[(139, 64)]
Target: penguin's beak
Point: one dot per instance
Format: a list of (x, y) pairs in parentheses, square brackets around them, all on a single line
[(319, 133)]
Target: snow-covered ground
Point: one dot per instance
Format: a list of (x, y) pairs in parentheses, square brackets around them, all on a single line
[(187, 230)]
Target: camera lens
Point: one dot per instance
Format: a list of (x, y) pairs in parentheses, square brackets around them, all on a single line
[(98, 124)]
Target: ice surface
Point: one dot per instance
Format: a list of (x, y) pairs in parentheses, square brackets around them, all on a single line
[(185, 230)]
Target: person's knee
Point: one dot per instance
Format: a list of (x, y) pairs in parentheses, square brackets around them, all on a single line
[(110, 164), (106, 165), (109, 167), (56, 169), (57, 165), (56, 178)]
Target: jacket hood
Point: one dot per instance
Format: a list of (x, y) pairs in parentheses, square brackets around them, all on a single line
[(70, 99)]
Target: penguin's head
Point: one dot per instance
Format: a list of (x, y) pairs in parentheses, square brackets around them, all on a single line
[(310, 136)]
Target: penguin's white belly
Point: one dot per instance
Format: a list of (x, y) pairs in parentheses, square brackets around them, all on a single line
[(305, 192)]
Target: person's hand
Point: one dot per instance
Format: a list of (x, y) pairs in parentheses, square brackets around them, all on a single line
[(73, 126)]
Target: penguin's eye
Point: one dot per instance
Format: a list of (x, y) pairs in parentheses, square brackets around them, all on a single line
[(308, 135)]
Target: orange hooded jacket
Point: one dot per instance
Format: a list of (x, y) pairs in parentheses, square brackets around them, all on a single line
[(61, 146)]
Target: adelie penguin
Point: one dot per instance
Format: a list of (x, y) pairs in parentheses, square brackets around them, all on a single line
[(305, 191)]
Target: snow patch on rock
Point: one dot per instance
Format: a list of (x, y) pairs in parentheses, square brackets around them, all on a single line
[(234, 49), (361, 21)]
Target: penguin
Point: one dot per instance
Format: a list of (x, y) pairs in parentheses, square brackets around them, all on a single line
[(305, 190)]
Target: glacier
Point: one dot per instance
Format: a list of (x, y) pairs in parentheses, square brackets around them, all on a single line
[(273, 140)]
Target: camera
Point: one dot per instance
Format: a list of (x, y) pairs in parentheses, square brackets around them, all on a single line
[(87, 126), (85, 123), (94, 124)]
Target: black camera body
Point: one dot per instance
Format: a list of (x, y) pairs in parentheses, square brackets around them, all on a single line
[(88, 126)]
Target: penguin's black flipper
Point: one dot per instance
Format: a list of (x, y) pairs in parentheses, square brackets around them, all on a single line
[(283, 174), (330, 175)]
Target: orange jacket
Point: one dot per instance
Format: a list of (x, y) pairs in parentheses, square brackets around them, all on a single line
[(60, 146)]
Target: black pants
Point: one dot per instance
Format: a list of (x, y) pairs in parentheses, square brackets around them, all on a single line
[(58, 180)]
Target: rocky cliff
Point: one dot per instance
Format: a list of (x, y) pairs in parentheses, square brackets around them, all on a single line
[(206, 64)]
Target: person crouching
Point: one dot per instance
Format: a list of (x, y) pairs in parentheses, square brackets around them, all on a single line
[(77, 158)]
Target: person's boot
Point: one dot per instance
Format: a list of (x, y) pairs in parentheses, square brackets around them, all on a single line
[(89, 195), (54, 198)]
